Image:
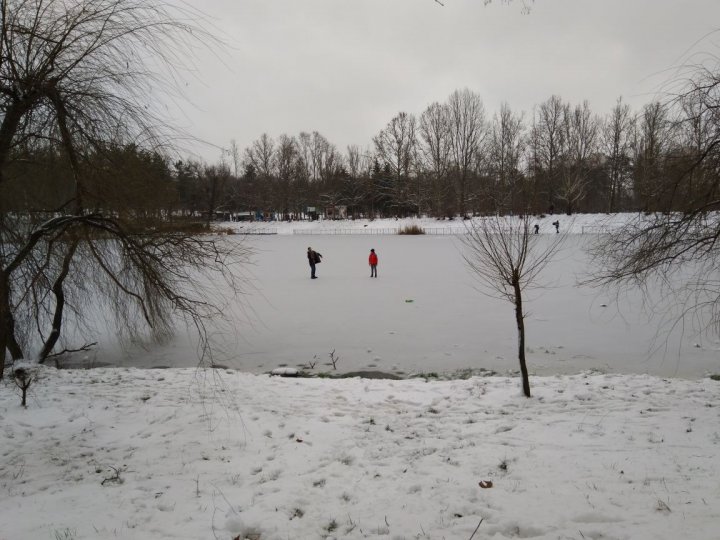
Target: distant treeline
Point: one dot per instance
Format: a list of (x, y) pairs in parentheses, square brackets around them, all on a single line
[(453, 159)]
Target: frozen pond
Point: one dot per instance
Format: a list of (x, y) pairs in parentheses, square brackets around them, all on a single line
[(425, 314)]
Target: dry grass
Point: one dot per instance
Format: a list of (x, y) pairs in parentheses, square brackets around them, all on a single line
[(412, 229)]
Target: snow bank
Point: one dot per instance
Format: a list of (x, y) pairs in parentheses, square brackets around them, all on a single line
[(575, 224)]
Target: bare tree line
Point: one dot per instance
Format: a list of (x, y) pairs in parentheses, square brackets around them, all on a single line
[(451, 160), (456, 160)]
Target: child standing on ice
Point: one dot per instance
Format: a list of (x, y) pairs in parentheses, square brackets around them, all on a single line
[(373, 261)]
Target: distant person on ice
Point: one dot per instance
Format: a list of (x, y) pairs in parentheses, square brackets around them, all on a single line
[(556, 224), (373, 260), (313, 258), (537, 228)]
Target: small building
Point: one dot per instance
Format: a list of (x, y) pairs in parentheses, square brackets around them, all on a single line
[(243, 216)]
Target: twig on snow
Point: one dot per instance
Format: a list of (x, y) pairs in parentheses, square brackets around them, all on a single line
[(476, 529)]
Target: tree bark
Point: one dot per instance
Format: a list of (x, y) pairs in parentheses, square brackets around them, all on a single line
[(520, 320), (8, 343), (59, 293), (4, 324)]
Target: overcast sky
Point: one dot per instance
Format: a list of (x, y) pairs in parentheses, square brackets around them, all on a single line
[(346, 67)]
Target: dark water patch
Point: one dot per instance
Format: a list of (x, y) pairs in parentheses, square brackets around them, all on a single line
[(371, 374)]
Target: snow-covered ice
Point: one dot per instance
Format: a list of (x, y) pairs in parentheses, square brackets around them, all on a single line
[(424, 313)]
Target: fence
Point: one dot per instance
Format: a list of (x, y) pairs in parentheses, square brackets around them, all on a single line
[(445, 230), (436, 231), (253, 230), (345, 231)]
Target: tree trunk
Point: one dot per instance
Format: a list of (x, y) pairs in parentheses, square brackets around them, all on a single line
[(8, 343), (520, 320), (4, 323), (59, 293), (13, 346)]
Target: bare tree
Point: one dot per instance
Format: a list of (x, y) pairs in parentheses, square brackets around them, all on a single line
[(328, 161), (286, 161), (434, 150), (505, 150), (395, 147), (548, 140), (358, 169), (616, 137), (652, 143), (261, 155), (508, 260), (317, 156), (581, 128), (80, 76), (214, 183), (467, 133), (678, 249), (304, 142), (235, 157), (359, 162), (695, 131)]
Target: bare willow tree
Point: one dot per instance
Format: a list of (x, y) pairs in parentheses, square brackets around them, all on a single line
[(677, 247), (508, 260), (81, 76)]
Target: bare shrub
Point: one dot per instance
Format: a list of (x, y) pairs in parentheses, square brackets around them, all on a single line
[(411, 229)]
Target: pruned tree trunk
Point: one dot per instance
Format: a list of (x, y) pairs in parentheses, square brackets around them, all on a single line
[(520, 320)]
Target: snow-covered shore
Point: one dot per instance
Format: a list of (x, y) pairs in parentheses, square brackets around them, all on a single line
[(180, 453), (575, 224)]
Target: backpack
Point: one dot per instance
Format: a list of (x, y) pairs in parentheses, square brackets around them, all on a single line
[(318, 258)]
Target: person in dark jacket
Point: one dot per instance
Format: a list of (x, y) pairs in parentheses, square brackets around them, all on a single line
[(373, 261), (313, 258)]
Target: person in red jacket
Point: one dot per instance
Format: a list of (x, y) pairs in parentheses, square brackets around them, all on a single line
[(373, 260)]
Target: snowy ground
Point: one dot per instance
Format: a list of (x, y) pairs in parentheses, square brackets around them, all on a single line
[(151, 454)]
